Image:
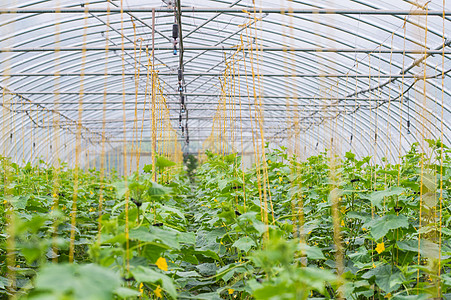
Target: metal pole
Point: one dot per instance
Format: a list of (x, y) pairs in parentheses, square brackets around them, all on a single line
[(219, 74), (241, 10), (191, 95), (320, 109), (154, 134), (196, 103), (218, 48)]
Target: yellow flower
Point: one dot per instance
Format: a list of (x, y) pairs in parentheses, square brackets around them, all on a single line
[(363, 228), (141, 290), (280, 179), (342, 223), (4, 201), (388, 296), (230, 291), (269, 161), (91, 209), (91, 192), (215, 200), (158, 291), (55, 195), (374, 266), (380, 247), (278, 173), (162, 264)]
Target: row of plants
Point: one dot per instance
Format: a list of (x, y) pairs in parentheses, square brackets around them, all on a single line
[(323, 228)]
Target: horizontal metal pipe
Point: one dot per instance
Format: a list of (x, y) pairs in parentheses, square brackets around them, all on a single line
[(210, 118), (220, 74), (173, 102), (217, 48), (98, 121), (320, 109), (194, 95), (266, 10)]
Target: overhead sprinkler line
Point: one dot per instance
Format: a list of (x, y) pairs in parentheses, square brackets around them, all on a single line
[(178, 40), (175, 35)]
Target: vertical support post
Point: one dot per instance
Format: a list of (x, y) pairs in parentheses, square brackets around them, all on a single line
[(154, 141)]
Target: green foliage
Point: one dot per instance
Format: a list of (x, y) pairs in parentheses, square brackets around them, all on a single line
[(219, 237)]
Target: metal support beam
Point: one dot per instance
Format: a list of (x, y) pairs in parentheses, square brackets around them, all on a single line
[(324, 75), (241, 10), (219, 48), (319, 109), (294, 97), (192, 103)]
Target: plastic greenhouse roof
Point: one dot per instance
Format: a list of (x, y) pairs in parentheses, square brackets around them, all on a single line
[(355, 68)]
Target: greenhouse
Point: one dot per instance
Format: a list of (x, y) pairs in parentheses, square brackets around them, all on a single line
[(225, 149)]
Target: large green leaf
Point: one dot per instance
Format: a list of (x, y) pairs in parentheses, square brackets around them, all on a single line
[(121, 188), (163, 162), (380, 226), (429, 181), (387, 277), (80, 281), (144, 274), (152, 234), (427, 248), (411, 297), (312, 252), (377, 197), (244, 244), (124, 292), (157, 190), (20, 202)]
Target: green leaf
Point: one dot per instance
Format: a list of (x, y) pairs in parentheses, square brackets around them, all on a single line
[(157, 190), (427, 248), (363, 216), (3, 282), (313, 252), (388, 278), (377, 197), (153, 234), (227, 272), (411, 297), (430, 199), (207, 269), (163, 162), (125, 292), (244, 244), (429, 181), (121, 188), (207, 253), (350, 155), (144, 274), (20, 202), (380, 226), (147, 169), (90, 282)]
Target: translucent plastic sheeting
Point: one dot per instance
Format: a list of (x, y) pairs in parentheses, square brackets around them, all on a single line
[(357, 78)]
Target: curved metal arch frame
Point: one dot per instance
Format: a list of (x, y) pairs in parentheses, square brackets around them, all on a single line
[(345, 122)]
